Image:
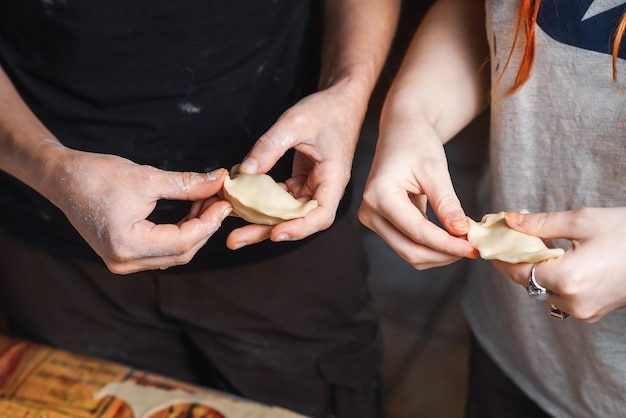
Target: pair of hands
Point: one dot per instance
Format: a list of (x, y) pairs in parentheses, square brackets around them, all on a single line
[(588, 281), (108, 199)]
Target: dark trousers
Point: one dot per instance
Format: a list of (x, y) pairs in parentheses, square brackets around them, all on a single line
[(491, 394), (296, 331)]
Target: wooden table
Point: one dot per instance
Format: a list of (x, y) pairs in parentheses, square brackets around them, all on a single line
[(37, 381)]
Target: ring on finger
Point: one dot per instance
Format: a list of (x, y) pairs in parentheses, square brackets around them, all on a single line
[(535, 290), (557, 313)]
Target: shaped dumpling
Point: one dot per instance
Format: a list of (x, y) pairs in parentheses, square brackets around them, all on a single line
[(258, 199), (493, 238)]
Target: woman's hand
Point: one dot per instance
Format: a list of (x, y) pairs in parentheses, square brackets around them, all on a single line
[(589, 280), (409, 171)]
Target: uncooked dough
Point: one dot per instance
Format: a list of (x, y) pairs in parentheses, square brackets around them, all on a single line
[(493, 238), (258, 199)]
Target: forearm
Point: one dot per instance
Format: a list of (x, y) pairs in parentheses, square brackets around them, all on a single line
[(28, 150), (443, 79), (356, 39)]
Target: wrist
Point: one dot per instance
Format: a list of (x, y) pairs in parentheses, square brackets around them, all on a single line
[(34, 158), (356, 88), (402, 105)]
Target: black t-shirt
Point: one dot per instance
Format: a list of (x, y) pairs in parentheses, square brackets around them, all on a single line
[(180, 85)]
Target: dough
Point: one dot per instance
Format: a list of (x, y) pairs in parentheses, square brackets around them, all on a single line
[(493, 238), (258, 199)]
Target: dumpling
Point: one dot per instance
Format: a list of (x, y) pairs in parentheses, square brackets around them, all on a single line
[(493, 238), (258, 199)]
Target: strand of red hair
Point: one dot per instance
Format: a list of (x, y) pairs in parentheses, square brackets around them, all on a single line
[(619, 34), (526, 19)]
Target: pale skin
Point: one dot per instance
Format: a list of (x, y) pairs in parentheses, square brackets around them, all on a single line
[(441, 86), (108, 199), (324, 127)]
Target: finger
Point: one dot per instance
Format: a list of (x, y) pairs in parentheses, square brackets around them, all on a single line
[(419, 256), (188, 185), (174, 239), (154, 263), (412, 225), (200, 206), (445, 204), (517, 272), (266, 151), (547, 273), (247, 235), (545, 225), (292, 230), (319, 219), (583, 311), (328, 194), (169, 245)]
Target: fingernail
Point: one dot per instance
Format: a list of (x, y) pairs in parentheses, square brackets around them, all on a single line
[(460, 224), (227, 211), (240, 245), (212, 175), (282, 237), (474, 254), (514, 218), (248, 166)]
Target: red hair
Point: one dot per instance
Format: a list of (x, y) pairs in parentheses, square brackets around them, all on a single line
[(526, 19)]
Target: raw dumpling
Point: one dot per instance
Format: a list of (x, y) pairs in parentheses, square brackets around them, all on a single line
[(493, 238), (258, 199)]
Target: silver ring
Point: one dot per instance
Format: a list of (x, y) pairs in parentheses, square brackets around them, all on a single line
[(557, 313), (535, 290)]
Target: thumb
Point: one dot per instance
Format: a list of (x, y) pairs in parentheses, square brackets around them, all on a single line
[(544, 225), (267, 150), (190, 185), (447, 208)]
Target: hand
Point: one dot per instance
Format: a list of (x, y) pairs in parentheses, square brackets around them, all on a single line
[(108, 200), (409, 171), (323, 128), (589, 280)]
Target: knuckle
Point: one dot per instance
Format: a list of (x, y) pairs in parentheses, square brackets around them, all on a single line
[(419, 266), (581, 217), (415, 260), (569, 284), (566, 288), (297, 117), (186, 180), (584, 312), (364, 216), (326, 224), (183, 258), (186, 257), (118, 268), (120, 254), (182, 253), (116, 253)]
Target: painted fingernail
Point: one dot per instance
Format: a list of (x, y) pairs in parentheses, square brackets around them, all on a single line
[(460, 224), (514, 218)]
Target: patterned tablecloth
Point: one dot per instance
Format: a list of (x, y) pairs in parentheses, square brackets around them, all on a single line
[(37, 381)]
